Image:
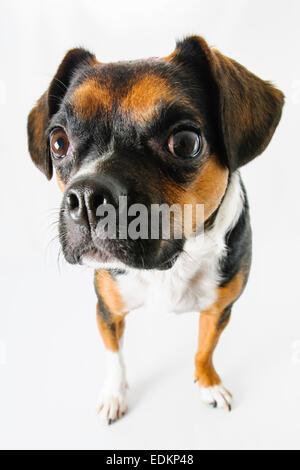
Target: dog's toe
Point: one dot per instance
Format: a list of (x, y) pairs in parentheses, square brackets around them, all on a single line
[(112, 407), (217, 397)]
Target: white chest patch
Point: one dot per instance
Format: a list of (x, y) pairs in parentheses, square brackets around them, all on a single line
[(190, 285)]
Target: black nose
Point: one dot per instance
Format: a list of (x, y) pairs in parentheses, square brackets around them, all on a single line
[(86, 195)]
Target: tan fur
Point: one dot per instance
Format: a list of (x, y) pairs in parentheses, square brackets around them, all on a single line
[(108, 289), (90, 97), (111, 332), (60, 183), (210, 331), (247, 112), (144, 96), (208, 189), (111, 328), (36, 123)]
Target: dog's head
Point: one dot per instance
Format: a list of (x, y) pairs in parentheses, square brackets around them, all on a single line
[(158, 131)]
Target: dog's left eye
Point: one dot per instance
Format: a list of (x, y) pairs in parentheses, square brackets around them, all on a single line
[(185, 144), (59, 143)]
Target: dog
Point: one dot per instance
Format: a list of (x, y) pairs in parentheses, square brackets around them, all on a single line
[(174, 131)]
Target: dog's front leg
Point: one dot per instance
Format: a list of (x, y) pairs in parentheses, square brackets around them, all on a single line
[(211, 326), (212, 323), (110, 318)]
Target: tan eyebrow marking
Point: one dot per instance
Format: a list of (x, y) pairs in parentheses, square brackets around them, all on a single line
[(90, 96), (141, 100)]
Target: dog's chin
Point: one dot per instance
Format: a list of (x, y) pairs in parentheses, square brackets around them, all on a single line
[(97, 259), (101, 259), (155, 256)]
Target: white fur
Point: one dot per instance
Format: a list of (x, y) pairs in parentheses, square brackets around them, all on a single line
[(112, 401), (86, 170), (190, 285), (216, 396), (89, 169), (92, 263)]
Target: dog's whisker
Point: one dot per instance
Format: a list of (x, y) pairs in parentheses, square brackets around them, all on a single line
[(174, 130)]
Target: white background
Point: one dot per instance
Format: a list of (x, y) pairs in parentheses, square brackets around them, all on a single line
[(52, 359)]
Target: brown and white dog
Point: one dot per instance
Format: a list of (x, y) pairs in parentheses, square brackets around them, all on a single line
[(169, 131)]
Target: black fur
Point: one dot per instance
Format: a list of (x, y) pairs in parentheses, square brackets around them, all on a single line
[(234, 111), (246, 109), (238, 246), (140, 148), (224, 318)]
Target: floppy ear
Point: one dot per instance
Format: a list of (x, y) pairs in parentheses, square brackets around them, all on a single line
[(247, 109), (48, 105)]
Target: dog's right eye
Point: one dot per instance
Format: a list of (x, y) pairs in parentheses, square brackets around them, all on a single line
[(59, 143)]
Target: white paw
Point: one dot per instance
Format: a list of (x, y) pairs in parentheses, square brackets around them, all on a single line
[(112, 403), (217, 397)]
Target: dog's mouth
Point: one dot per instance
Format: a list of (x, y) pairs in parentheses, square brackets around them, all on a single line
[(83, 247), (98, 258)]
